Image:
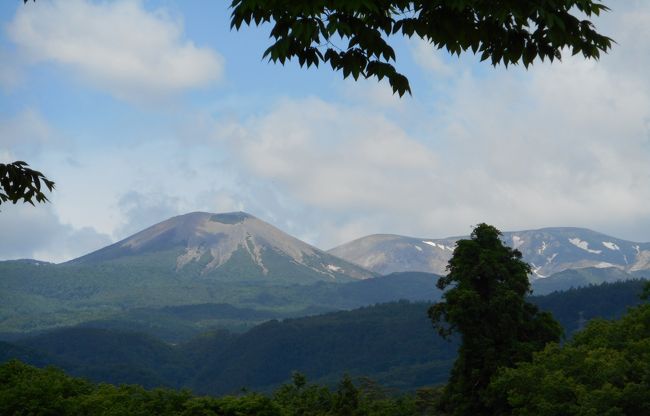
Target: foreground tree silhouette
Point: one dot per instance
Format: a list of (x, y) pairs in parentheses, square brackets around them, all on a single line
[(507, 32), (485, 303), (19, 182)]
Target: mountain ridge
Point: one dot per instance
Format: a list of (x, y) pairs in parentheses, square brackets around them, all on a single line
[(209, 241), (548, 250)]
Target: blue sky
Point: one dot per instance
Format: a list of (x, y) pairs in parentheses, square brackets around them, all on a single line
[(140, 110)]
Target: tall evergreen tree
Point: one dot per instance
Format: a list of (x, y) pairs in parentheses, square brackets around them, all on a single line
[(486, 305)]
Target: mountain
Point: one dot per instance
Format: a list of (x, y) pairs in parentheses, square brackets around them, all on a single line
[(228, 246), (547, 250), (243, 271), (576, 278), (197, 258)]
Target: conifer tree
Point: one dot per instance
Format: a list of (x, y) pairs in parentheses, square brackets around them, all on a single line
[(485, 303)]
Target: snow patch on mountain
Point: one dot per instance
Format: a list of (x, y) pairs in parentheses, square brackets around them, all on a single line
[(583, 245), (542, 248), (438, 245), (611, 246)]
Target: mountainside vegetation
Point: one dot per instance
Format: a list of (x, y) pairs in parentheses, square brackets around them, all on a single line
[(27, 390), (40, 296), (392, 343), (602, 370)]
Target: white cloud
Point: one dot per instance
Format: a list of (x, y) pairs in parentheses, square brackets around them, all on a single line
[(560, 144), (36, 232), (118, 46), (335, 157)]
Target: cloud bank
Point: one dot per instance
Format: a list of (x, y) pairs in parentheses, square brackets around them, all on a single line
[(117, 46)]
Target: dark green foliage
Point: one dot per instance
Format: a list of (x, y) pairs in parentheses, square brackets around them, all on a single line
[(485, 303), (604, 370), (391, 343), (376, 341), (19, 182), (574, 278), (17, 352), (509, 32), (112, 356), (575, 307), (27, 390)]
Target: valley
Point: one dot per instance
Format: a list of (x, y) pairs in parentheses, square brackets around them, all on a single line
[(391, 343)]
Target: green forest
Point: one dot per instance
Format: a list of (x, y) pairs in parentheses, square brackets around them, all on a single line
[(603, 370), (496, 352)]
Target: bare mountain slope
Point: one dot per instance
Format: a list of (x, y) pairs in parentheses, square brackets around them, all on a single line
[(548, 250), (235, 241)]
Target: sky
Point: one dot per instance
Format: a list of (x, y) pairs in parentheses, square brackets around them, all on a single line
[(141, 110)]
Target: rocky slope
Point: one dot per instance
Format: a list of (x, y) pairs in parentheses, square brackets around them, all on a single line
[(236, 241)]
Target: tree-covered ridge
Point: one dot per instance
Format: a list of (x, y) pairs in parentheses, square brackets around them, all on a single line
[(26, 390), (391, 343), (604, 370)]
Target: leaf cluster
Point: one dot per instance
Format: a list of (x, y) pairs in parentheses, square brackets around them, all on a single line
[(353, 36), (604, 370), (19, 182)]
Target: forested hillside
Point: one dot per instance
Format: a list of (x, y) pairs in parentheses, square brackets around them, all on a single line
[(392, 343), (27, 390), (603, 370)]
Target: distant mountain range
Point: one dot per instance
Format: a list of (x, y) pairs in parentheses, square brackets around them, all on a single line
[(547, 250), (238, 261)]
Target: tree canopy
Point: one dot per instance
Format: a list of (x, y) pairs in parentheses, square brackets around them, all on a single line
[(353, 36), (19, 182), (485, 303), (604, 370)]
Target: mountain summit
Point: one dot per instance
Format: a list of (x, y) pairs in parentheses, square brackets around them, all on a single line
[(547, 250), (232, 246)]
